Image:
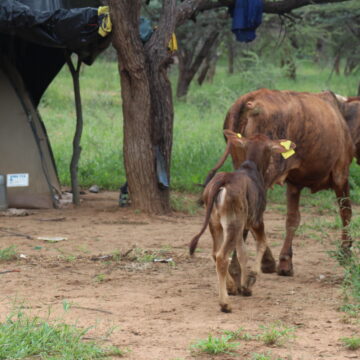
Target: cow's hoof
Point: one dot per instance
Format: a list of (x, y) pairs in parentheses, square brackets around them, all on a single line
[(285, 267), (285, 270), (246, 291), (226, 308)]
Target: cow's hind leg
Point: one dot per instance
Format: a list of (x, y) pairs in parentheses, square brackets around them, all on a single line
[(285, 266), (342, 194)]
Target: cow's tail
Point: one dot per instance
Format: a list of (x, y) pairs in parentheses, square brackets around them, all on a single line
[(212, 191), (218, 165)]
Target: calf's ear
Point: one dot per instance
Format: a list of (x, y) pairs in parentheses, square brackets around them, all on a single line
[(234, 138)]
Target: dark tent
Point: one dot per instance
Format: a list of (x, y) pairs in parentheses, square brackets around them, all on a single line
[(35, 38)]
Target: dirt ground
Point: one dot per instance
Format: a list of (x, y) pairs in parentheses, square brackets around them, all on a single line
[(157, 309)]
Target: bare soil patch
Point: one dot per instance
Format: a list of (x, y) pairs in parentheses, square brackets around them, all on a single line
[(157, 309)]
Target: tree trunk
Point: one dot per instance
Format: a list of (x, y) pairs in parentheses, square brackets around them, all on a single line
[(188, 68), (75, 73), (209, 67), (337, 64), (184, 77), (147, 104), (231, 53)]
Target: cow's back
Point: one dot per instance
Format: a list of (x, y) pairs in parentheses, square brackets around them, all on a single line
[(313, 122)]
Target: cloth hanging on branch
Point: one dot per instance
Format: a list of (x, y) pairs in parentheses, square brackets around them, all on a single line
[(247, 16)]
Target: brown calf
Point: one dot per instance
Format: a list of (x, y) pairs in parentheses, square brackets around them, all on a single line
[(235, 202)]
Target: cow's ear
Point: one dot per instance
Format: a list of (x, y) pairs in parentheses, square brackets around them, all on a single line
[(234, 138), (284, 147)]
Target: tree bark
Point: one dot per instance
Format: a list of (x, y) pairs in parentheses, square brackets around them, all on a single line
[(231, 53), (147, 102), (188, 68), (209, 67)]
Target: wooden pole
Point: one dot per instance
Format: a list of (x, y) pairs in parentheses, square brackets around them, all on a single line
[(75, 72)]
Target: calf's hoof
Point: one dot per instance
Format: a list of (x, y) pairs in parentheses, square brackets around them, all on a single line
[(231, 286), (285, 267), (232, 290), (268, 263), (226, 308), (268, 267), (246, 291)]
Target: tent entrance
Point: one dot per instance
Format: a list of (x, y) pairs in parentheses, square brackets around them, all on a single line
[(26, 156)]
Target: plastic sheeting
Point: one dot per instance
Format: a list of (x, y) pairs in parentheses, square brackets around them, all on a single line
[(73, 29)]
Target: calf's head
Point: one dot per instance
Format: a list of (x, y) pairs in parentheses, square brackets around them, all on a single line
[(259, 148)]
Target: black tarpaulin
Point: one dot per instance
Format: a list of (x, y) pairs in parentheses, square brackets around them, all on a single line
[(36, 34)]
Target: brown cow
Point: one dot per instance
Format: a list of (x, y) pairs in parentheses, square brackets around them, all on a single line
[(323, 156), (350, 108), (236, 202)]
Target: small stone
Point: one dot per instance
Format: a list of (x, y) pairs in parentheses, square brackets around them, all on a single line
[(322, 277), (94, 189)]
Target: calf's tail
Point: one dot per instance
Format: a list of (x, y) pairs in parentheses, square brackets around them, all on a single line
[(212, 190)]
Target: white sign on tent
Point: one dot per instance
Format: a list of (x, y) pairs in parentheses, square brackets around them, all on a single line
[(15, 180)]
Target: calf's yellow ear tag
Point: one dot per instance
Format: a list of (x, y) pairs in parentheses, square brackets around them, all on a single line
[(238, 135), (287, 145)]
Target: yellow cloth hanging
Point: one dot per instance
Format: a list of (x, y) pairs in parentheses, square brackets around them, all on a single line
[(173, 45), (106, 26)]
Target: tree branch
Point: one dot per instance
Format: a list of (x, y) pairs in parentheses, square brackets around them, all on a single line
[(273, 7)]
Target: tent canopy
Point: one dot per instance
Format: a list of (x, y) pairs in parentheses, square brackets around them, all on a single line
[(36, 33), (36, 36)]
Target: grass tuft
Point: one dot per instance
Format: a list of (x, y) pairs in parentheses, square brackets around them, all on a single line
[(276, 334), (238, 334), (8, 253), (214, 345), (24, 337), (351, 343)]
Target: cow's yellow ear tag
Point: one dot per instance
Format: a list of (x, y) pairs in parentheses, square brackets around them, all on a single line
[(287, 145), (238, 135)]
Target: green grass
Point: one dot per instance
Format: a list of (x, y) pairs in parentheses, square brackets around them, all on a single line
[(276, 334), (352, 310), (351, 266), (351, 343), (238, 334), (8, 253), (214, 345), (23, 337), (267, 356)]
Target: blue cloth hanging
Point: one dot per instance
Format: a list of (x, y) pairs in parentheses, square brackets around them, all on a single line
[(247, 16)]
